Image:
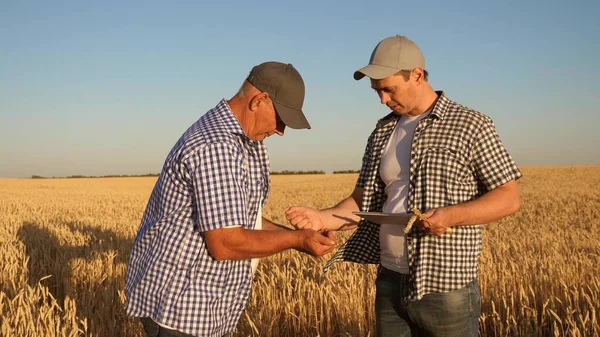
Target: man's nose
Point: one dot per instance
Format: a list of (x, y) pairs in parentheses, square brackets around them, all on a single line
[(384, 98)]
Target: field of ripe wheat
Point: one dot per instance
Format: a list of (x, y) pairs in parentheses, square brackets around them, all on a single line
[(64, 245)]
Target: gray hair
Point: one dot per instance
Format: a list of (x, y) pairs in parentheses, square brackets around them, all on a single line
[(245, 89)]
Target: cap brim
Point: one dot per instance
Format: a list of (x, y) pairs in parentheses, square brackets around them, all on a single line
[(291, 117), (375, 72)]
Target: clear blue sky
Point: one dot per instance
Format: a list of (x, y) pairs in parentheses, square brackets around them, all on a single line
[(107, 87)]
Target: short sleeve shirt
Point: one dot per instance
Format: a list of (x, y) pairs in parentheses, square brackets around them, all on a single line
[(456, 156), (214, 177)]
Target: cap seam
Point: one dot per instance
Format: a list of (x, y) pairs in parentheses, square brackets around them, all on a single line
[(380, 65), (278, 87), (400, 45)]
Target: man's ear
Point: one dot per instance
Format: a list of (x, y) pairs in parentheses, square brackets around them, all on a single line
[(418, 74), (257, 100)]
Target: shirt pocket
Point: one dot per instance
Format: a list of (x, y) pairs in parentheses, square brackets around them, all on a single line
[(442, 157), (443, 177), (256, 188)]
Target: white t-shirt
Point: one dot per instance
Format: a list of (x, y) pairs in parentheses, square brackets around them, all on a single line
[(394, 171), (257, 226)]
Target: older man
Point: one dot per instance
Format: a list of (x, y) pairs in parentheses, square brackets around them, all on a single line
[(192, 262), (435, 155)]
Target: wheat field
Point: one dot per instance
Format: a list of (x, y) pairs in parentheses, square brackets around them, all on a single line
[(64, 245)]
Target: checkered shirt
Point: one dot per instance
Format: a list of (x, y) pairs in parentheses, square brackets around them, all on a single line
[(456, 156), (214, 177)]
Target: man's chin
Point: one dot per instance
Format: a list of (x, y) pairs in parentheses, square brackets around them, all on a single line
[(401, 112), (398, 110)]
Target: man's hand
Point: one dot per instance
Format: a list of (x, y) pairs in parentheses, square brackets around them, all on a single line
[(437, 221), (305, 218), (502, 201), (316, 243)]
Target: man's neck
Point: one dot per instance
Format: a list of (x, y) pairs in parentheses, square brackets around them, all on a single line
[(236, 105), (427, 102)]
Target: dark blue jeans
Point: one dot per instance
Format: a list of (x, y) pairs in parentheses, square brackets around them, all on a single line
[(452, 314), (154, 330)]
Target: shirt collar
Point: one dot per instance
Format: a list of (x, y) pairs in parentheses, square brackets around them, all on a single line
[(439, 110), (441, 106), (230, 121)]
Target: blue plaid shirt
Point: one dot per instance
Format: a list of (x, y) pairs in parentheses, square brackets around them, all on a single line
[(214, 177)]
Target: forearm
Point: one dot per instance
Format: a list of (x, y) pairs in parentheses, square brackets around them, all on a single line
[(494, 205), (271, 226), (340, 217), (239, 243)]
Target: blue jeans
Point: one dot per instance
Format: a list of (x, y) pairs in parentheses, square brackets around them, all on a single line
[(452, 314), (154, 330)]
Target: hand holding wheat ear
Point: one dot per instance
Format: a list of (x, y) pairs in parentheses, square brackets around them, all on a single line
[(418, 215)]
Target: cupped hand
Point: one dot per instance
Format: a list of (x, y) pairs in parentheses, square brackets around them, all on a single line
[(304, 218), (437, 221), (317, 243)]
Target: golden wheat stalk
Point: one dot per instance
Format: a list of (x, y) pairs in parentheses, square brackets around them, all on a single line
[(417, 215)]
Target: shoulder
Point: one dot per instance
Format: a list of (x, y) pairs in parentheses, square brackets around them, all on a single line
[(463, 116), (206, 142)]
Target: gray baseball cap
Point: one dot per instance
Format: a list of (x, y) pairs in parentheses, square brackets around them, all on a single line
[(285, 86), (390, 56)]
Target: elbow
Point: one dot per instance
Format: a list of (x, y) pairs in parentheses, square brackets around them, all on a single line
[(220, 256), (516, 205), (512, 197), (224, 244), (219, 252)]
